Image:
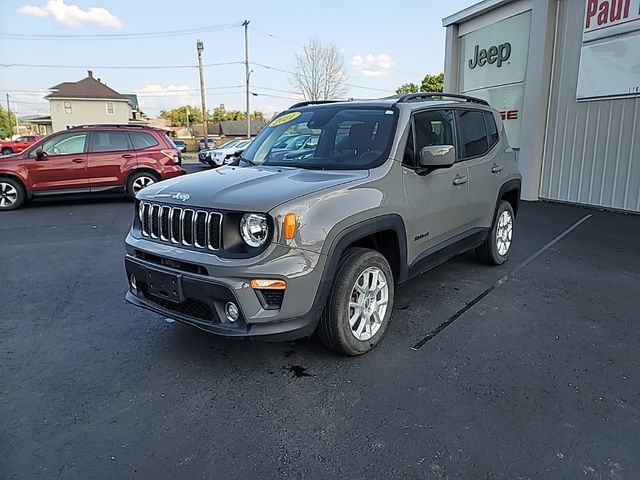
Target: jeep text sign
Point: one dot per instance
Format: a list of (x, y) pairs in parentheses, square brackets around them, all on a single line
[(497, 54), (610, 46), (493, 66)]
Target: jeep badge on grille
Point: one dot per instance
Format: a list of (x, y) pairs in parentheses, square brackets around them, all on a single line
[(181, 196)]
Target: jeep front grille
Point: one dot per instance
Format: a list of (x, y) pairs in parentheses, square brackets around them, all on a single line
[(185, 226)]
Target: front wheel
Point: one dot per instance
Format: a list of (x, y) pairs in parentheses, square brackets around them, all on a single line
[(496, 247), (360, 305), (7, 151), (12, 194)]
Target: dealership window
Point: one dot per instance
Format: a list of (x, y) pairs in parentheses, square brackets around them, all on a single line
[(473, 133), (109, 142), (142, 140), (67, 107), (110, 109)]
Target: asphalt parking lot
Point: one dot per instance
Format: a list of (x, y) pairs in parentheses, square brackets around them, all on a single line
[(538, 379)]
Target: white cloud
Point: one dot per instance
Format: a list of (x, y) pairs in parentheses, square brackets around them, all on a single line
[(34, 11), (153, 97), (73, 16), (373, 65)]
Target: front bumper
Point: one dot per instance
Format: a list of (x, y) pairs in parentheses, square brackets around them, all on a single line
[(207, 289)]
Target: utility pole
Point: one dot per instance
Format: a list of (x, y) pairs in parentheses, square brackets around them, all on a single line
[(9, 117), (205, 123), (245, 24), (188, 120)]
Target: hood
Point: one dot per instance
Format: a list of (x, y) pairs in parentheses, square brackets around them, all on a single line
[(249, 189)]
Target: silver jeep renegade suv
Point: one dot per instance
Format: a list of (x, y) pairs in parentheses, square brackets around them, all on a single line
[(288, 241)]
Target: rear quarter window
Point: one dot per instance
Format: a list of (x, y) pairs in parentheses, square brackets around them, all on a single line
[(142, 140)]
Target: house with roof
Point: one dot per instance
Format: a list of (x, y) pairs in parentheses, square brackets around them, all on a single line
[(90, 101)]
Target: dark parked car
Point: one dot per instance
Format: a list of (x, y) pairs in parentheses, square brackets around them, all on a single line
[(89, 159), (180, 145)]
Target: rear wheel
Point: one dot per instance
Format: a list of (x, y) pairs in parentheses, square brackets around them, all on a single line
[(12, 194), (7, 151), (360, 305), (140, 180), (495, 249)]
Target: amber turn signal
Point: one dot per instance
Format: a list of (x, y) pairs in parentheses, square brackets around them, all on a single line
[(289, 226), (268, 284)]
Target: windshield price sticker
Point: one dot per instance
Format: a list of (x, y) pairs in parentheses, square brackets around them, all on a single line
[(285, 119)]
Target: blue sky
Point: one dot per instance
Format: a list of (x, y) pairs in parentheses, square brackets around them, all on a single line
[(383, 48)]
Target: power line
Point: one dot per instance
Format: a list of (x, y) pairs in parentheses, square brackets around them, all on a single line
[(106, 67), (276, 37), (347, 84), (121, 36)]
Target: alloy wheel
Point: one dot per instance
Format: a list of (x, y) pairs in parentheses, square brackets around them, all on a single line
[(141, 182), (368, 303), (504, 232), (8, 194)]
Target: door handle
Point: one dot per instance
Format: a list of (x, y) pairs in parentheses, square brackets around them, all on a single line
[(127, 155), (77, 160), (496, 168), (460, 180)]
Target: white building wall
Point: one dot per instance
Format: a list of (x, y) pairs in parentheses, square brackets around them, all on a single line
[(87, 112), (592, 147)]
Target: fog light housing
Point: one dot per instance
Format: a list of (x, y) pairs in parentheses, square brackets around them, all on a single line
[(133, 282), (231, 311)]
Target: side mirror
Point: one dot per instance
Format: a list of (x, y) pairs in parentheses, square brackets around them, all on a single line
[(437, 156), (39, 154)]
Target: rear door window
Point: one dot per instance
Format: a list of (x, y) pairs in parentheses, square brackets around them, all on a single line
[(142, 140), (109, 142), (473, 133)]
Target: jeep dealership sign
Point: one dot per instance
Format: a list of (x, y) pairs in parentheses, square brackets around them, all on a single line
[(610, 53), (493, 66)]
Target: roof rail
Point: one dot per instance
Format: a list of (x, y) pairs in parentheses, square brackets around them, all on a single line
[(110, 125), (313, 102), (433, 95)]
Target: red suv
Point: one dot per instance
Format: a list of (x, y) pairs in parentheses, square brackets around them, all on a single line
[(89, 159)]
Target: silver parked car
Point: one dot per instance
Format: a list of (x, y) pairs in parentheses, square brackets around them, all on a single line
[(279, 247), (223, 155)]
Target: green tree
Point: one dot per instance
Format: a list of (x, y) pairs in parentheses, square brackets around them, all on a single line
[(407, 88), (430, 83), (4, 122), (178, 116), (221, 114)]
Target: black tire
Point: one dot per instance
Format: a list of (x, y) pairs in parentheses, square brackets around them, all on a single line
[(6, 151), (133, 180), (7, 188), (334, 330), (489, 251)]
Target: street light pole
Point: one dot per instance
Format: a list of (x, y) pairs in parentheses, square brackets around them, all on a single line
[(245, 24), (205, 123)]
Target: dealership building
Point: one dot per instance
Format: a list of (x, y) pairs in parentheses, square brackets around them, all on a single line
[(565, 75)]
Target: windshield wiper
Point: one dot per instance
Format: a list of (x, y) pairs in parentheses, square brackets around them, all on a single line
[(246, 160)]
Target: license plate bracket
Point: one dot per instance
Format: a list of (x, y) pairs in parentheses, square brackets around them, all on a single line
[(165, 285)]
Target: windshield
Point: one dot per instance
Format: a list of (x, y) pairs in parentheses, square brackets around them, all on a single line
[(328, 137), (230, 144)]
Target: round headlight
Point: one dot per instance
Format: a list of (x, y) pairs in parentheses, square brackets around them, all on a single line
[(254, 229)]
